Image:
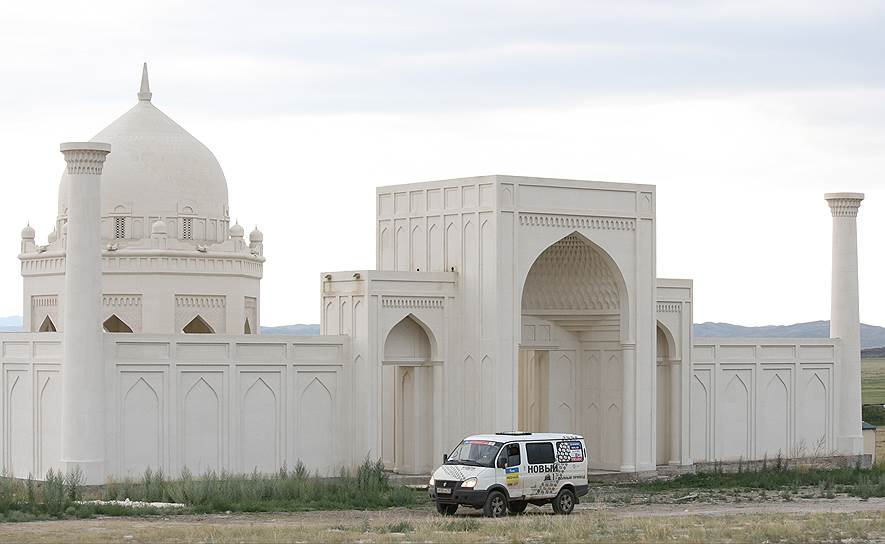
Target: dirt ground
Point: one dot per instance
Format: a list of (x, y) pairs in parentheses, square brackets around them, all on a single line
[(840, 518)]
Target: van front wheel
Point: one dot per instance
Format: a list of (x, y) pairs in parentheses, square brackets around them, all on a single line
[(564, 503), (446, 509), (495, 506)]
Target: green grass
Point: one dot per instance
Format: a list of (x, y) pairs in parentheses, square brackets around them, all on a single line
[(294, 490), (873, 381), (778, 476)]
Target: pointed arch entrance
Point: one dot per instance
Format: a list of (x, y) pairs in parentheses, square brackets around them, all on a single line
[(572, 351), (407, 374)]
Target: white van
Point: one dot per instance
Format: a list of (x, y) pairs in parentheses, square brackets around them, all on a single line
[(508, 471)]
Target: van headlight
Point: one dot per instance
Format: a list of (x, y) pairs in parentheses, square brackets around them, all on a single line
[(469, 483), (431, 482)]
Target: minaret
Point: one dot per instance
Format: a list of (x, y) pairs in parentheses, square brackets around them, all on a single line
[(83, 372), (845, 319)]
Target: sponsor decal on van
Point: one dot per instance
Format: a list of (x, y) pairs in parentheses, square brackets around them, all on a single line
[(540, 469), (512, 475), (569, 451)]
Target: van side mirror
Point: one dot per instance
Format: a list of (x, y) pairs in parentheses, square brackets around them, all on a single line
[(502, 462), (445, 457)]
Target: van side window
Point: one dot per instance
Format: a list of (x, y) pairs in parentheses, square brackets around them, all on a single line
[(513, 457), (540, 453)]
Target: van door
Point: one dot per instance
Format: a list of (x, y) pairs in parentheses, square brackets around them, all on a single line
[(542, 472), (510, 460)]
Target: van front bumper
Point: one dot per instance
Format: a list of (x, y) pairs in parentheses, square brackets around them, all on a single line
[(470, 497)]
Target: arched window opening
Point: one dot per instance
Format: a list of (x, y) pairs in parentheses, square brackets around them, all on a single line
[(47, 325), (198, 325), (115, 324), (247, 329)]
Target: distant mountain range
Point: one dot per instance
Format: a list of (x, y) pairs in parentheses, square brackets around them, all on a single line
[(296, 330), (872, 338), (11, 323), (870, 335)]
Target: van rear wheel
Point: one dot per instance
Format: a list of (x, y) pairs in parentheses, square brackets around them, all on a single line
[(446, 509), (495, 506), (517, 507), (564, 503)]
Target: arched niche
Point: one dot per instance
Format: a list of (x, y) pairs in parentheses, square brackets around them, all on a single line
[(574, 275), (407, 411), (667, 408), (666, 344), (115, 324), (198, 325), (409, 342), (575, 291)]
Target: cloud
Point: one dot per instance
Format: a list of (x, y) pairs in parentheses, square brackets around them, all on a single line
[(304, 57), (742, 113)]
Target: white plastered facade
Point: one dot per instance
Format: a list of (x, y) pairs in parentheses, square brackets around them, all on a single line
[(498, 303)]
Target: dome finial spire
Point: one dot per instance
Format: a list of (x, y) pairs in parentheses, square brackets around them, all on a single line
[(144, 92)]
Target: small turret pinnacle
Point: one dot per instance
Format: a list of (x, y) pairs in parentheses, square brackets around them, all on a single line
[(144, 92)]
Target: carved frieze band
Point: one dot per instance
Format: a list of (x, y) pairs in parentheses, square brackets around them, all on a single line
[(183, 265), (44, 301), (576, 221), (669, 307), (121, 300), (412, 302), (85, 161), (199, 301)]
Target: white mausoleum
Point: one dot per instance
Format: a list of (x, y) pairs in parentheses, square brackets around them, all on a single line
[(498, 303)]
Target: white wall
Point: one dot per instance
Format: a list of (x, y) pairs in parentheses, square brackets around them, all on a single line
[(215, 402), (751, 398)]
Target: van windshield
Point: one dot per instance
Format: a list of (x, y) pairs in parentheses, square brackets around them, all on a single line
[(479, 453)]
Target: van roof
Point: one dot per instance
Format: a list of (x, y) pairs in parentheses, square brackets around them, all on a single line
[(524, 437)]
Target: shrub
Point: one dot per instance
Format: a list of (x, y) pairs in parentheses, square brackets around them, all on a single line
[(283, 490)]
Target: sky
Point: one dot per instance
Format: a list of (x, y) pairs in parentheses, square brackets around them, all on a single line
[(743, 114)]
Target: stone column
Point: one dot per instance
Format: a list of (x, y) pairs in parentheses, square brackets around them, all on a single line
[(845, 319), (83, 383), (628, 412)]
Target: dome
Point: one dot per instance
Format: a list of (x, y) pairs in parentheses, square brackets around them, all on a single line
[(256, 236), (236, 231), (158, 228), (156, 168), (28, 232)]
